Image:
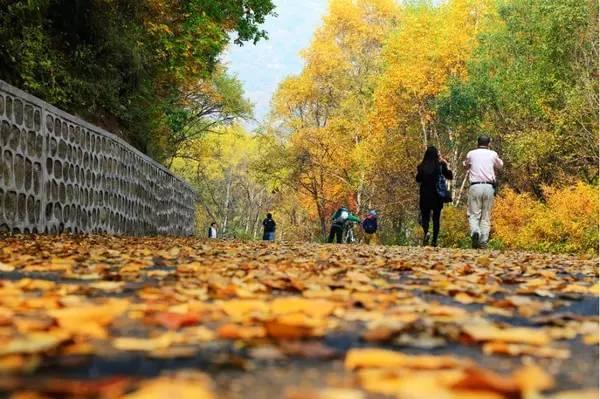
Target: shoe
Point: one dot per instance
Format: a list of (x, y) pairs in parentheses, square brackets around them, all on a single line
[(475, 240), (426, 240), (483, 245)]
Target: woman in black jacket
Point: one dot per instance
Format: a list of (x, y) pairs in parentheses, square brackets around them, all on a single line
[(430, 202)]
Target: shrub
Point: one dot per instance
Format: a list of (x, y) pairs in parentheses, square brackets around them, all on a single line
[(454, 229), (512, 220), (566, 222)]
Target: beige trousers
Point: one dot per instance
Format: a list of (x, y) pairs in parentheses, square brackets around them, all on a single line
[(480, 203)]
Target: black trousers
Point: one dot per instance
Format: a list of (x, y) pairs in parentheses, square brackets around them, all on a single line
[(434, 213), (336, 231)]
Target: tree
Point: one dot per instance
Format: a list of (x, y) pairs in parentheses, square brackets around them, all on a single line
[(205, 107), (427, 52), (325, 109), (534, 75), (219, 167), (123, 64)]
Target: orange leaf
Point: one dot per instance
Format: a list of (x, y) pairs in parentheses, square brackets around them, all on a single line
[(174, 321)]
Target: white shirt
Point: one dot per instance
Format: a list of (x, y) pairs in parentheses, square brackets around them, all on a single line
[(482, 163), (213, 233)]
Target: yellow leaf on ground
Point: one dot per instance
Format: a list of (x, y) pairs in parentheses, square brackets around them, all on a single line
[(312, 307), (169, 388), (327, 393), (144, 344), (532, 378), (382, 358), (235, 331), (464, 298), (591, 339), (499, 347), (391, 381), (102, 314), (580, 289), (108, 285), (89, 320), (32, 343), (6, 268), (486, 332), (243, 308), (447, 311), (18, 363)]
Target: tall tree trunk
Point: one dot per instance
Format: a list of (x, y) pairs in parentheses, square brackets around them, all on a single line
[(257, 215), (227, 201), (423, 125), (462, 187)]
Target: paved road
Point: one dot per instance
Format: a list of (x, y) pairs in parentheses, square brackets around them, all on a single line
[(88, 317)]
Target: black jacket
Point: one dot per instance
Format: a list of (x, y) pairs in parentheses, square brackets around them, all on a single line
[(269, 225), (428, 197)]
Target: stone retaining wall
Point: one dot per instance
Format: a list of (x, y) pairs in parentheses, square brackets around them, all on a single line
[(59, 173)]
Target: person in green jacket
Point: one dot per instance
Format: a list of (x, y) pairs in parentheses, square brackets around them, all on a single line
[(339, 220)]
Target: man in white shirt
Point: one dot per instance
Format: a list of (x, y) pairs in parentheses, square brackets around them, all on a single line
[(482, 164)]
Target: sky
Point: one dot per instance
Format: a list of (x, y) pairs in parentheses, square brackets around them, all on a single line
[(261, 67)]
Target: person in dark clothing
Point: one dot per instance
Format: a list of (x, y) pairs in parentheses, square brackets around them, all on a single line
[(340, 220), (430, 202), (269, 226), (370, 226)]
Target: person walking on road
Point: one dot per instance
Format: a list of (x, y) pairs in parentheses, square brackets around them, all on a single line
[(369, 226), (433, 191), (212, 230), (269, 226), (339, 220), (482, 164)]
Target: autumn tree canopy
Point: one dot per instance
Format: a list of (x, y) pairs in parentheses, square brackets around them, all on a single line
[(382, 80)]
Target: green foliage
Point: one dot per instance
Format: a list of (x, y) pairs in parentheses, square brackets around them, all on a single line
[(528, 89), (125, 65), (204, 107)]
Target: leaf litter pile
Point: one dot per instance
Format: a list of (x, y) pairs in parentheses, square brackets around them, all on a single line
[(137, 318)]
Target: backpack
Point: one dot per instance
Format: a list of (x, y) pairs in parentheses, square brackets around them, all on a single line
[(441, 188), (369, 225), (342, 217)]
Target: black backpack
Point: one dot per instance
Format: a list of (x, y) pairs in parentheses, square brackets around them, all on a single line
[(441, 187), (369, 225)]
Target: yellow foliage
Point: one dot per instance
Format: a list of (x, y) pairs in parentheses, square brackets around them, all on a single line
[(454, 227), (356, 118), (512, 218), (566, 222), (326, 107), (431, 46)]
